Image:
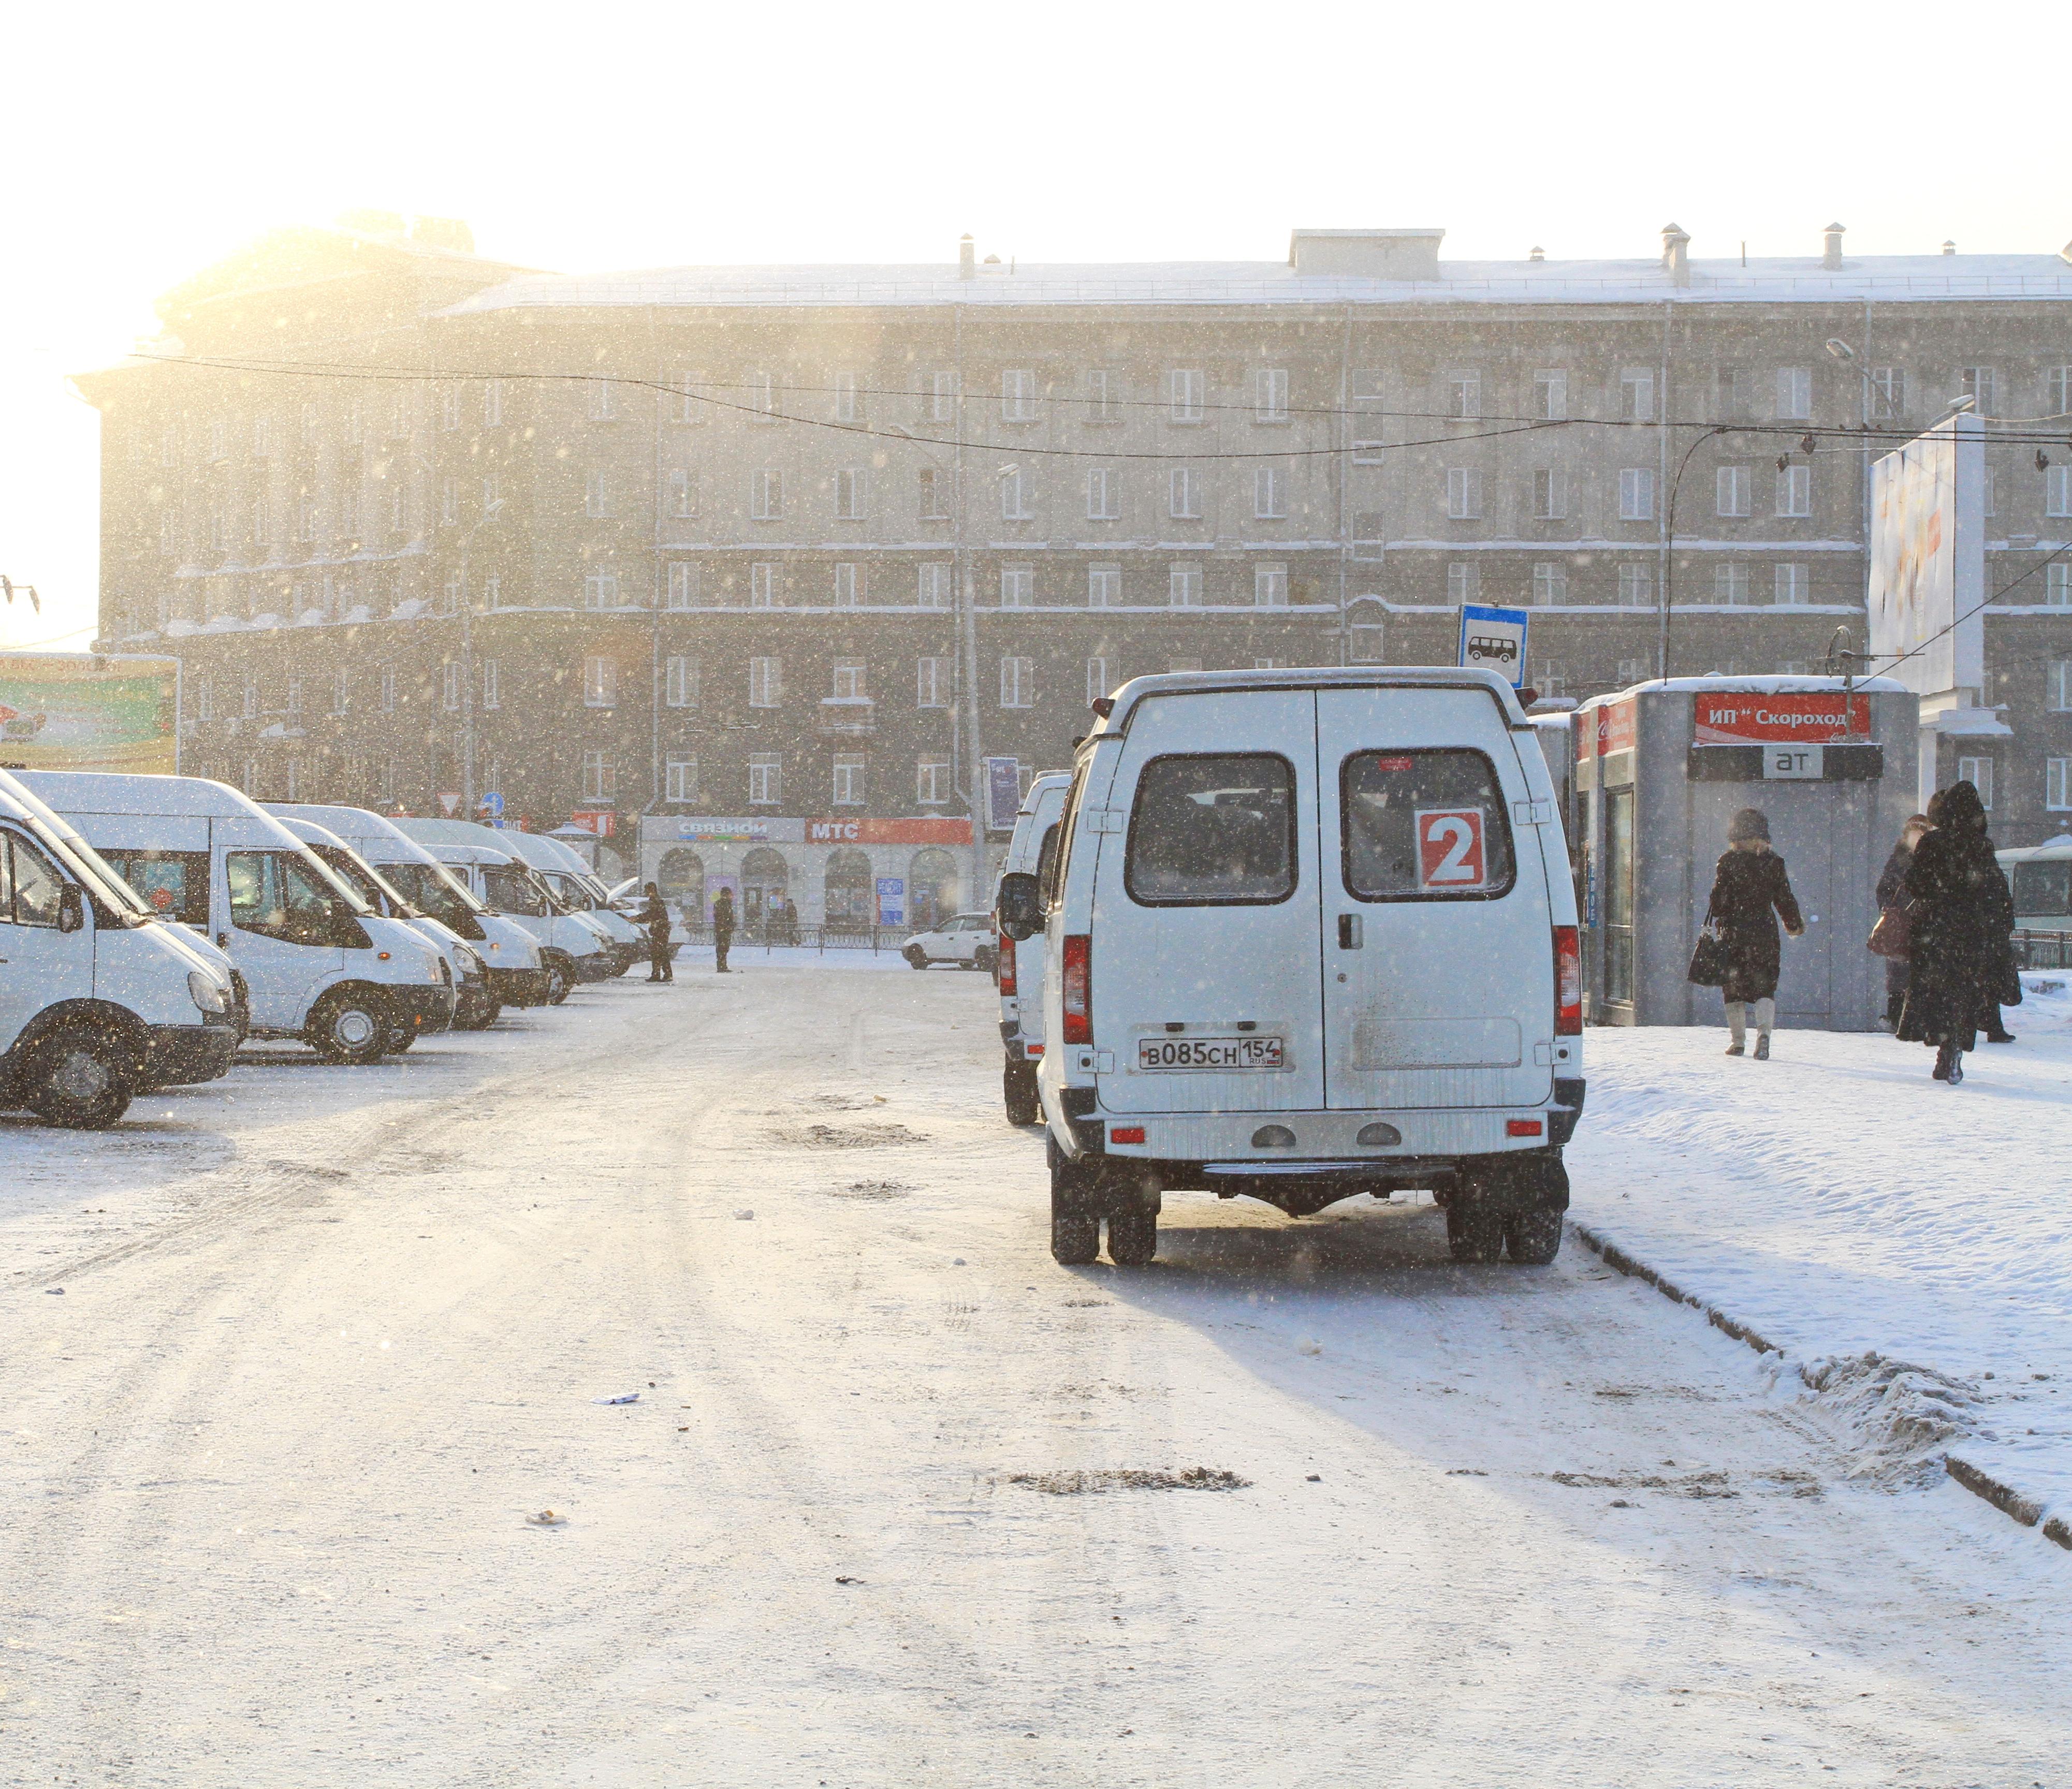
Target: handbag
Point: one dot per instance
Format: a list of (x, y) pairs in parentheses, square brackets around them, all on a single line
[(1893, 936), (1708, 959)]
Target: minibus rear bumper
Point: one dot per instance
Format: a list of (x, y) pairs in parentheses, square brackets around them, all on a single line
[(180, 1055)]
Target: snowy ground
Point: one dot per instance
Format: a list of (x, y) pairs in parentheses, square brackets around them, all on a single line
[(328, 1338)]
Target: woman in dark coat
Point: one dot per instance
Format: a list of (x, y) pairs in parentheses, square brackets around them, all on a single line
[(1964, 917), (1750, 892), (1891, 893)]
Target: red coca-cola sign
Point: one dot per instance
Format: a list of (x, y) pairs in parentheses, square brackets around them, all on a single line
[(1742, 717)]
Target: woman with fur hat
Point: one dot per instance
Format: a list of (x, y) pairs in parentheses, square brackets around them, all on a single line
[(1964, 917), (1750, 892)]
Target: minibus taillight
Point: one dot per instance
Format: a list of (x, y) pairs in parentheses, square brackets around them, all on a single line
[(1079, 975), (1568, 982), (1004, 957)]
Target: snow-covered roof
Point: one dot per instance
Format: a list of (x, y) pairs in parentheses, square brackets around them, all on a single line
[(1887, 278), (1766, 683)]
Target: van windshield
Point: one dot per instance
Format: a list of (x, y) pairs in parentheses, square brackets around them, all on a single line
[(1424, 826)]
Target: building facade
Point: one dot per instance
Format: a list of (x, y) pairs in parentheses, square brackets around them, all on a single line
[(801, 548)]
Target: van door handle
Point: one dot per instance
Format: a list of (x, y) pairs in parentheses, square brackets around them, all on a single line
[(1349, 931)]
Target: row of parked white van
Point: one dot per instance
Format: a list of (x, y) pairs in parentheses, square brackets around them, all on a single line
[(149, 925), (1297, 935)]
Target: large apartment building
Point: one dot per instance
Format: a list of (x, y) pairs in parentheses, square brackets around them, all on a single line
[(776, 557)]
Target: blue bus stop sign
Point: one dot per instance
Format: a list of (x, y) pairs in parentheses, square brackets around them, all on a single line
[(1494, 639)]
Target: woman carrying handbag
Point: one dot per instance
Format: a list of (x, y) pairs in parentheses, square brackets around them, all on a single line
[(1750, 892), (1889, 938)]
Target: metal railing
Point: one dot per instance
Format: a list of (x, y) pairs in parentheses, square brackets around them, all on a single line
[(818, 938), (2043, 950)]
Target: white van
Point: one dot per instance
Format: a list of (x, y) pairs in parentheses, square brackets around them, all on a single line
[(318, 963), (567, 877), (511, 953), (1019, 966), (473, 1005), (97, 999), (571, 950), (1309, 933)]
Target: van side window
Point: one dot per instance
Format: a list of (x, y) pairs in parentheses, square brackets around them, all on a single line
[(1424, 826), (510, 890), (1046, 856), (31, 889), (276, 897), (1061, 859), (1218, 829), (174, 884)]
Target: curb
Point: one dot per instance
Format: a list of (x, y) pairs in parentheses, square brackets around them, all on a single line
[(2003, 1498)]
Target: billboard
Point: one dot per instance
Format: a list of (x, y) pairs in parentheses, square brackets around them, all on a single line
[(1928, 559), (88, 711)]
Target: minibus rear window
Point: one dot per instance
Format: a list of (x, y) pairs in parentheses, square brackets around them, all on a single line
[(174, 884), (1424, 824), (1213, 830)]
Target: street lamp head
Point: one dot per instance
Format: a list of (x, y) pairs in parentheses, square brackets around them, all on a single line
[(1007, 470), (1840, 349)]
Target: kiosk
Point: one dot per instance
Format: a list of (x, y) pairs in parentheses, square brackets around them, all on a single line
[(1662, 767)]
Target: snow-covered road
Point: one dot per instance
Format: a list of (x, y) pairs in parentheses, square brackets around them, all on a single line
[(328, 1338)]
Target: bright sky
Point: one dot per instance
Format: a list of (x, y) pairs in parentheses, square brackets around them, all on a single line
[(143, 143)]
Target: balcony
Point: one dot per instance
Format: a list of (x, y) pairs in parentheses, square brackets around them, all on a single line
[(848, 717)]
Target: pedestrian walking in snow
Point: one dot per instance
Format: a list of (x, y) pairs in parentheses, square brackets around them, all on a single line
[(1892, 899), (655, 917), (722, 928), (1750, 892), (1964, 917)]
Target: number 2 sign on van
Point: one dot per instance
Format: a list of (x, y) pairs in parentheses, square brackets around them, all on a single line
[(1450, 848)]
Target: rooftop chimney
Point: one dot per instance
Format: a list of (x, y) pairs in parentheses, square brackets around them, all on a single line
[(1949, 249), (967, 258), (1536, 253), (1676, 253), (1831, 247)]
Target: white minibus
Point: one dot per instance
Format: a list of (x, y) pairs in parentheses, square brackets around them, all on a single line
[(1308, 933), (1018, 965), (97, 999), (567, 876), (571, 948), (319, 965)]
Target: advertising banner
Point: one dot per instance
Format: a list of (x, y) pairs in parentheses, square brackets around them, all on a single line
[(83, 711), (757, 829), (1003, 794), (1736, 717), (1927, 576), (892, 901), (924, 830), (1616, 728)]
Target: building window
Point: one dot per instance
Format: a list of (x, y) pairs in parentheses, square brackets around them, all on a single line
[(766, 496), (935, 494), (603, 400), (2057, 490), (766, 682), (251, 697), (594, 501), (398, 509), (492, 404), (762, 584), (931, 782), (1185, 494), (1731, 491), (601, 590), (1794, 393), (1637, 395), (1979, 384), (1018, 586), (1550, 582), (1464, 582), (600, 683), (1888, 394), (766, 778), (2057, 784), (845, 409), (1269, 395), (450, 686), (1183, 587), (388, 691), (1978, 773), (1992, 490), (1366, 640), (1464, 493), (1269, 587), (846, 585), (1550, 494), (2059, 685), (1097, 679), (2058, 585), (1103, 587), (1636, 494), (851, 679), (261, 533), (448, 405), (1795, 490), (1460, 393), (341, 693), (1018, 682), (931, 586), (1014, 496), (933, 682), (680, 779), (452, 594), (305, 519), (1550, 395), (679, 681), (848, 494), (492, 691), (1018, 395), (1730, 584), (294, 695), (849, 779), (1550, 678), (600, 777), (1794, 586), (683, 492), (1631, 672), (1186, 389), (942, 397), (1268, 502), (686, 404), (683, 586), (1103, 397), (1103, 494)]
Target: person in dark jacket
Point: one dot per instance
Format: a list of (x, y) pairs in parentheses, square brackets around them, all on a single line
[(1891, 893), (722, 928), (1964, 917), (654, 916), (1750, 891)]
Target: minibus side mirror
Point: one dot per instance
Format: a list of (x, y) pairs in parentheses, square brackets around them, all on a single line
[(1020, 906), (72, 909)]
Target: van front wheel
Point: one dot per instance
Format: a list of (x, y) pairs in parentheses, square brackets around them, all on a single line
[(79, 1076), (348, 1026), (559, 979)]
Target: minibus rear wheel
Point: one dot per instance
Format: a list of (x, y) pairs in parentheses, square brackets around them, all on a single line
[(1132, 1235), (1075, 1217), (1018, 1088), (79, 1076), (1533, 1238), (349, 1026), (1474, 1233)]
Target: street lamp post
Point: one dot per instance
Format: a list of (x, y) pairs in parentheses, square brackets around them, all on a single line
[(467, 663)]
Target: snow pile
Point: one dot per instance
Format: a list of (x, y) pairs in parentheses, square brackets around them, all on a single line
[(1897, 1419)]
